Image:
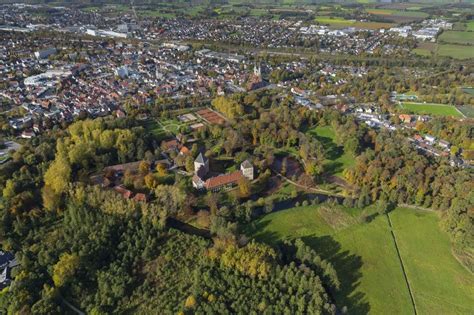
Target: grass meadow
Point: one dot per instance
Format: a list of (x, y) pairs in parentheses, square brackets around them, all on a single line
[(457, 37), (367, 263), (336, 159)]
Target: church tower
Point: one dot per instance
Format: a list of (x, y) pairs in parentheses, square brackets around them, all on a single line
[(257, 71)]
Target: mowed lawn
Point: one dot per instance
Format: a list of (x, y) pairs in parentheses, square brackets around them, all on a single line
[(364, 256), (367, 263), (336, 159), (431, 109), (439, 282)]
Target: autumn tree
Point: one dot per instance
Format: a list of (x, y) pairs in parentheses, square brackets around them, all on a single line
[(244, 187), (65, 268)]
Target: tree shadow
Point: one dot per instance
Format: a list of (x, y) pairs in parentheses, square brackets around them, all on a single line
[(331, 149), (348, 267), (256, 229), (333, 167)]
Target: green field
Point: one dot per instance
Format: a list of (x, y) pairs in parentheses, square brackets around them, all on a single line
[(445, 50), (440, 284), (337, 160), (457, 37), (455, 51), (430, 109), (470, 26), (393, 12), (365, 258), (334, 21)]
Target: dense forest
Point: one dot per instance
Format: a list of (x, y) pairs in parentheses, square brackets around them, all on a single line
[(108, 255), (395, 173)]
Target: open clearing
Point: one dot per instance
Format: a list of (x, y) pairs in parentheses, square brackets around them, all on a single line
[(367, 263), (431, 109), (372, 282), (337, 160)]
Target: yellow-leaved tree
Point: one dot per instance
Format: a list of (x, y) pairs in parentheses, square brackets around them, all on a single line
[(65, 268), (56, 180)]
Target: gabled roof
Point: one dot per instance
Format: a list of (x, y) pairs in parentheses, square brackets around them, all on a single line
[(246, 164), (222, 180), (201, 159)]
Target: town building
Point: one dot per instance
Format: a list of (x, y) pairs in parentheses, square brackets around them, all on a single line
[(45, 53), (201, 165), (223, 181), (7, 262), (247, 169)]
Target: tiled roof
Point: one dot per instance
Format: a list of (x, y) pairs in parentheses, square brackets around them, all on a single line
[(223, 180), (123, 191)]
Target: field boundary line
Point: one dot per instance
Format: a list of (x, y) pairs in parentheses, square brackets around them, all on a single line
[(459, 260), (462, 114), (412, 297)]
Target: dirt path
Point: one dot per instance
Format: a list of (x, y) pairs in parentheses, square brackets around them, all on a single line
[(312, 189)]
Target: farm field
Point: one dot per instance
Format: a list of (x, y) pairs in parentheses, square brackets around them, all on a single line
[(393, 12), (456, 51), (445, 50), (365, 258), (337, 159), (457, 37), (334, 21), (373, 25), (440, 284), (431, 109), (470, 26)]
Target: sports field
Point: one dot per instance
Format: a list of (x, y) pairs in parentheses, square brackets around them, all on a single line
[(366, 260), (431, 109)]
